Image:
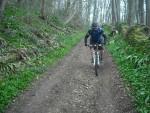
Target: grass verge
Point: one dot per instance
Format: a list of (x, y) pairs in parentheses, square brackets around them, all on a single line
[(135, 70)]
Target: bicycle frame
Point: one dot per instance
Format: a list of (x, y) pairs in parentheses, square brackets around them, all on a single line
[(96, 56)]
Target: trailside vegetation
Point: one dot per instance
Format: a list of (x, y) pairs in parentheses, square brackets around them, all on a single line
[(131, 51), (35, 33), (27, 47)]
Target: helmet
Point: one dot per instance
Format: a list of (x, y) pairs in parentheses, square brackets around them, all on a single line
[(94, 25)]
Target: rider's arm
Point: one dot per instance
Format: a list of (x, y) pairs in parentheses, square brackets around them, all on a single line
[(105, 37), (86, 37)]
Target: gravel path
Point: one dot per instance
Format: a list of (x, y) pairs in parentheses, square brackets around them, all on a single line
[(72, 87)]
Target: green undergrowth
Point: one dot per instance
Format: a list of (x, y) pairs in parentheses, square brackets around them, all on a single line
[(12, 85), (28, 46), (24, 37), (134, 67)]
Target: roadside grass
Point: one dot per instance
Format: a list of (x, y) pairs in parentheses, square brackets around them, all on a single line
[(14, 84), (135, 70)]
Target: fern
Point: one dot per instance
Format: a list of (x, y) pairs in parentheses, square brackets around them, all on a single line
[(7, 68)]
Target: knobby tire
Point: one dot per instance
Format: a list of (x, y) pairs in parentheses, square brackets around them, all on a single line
[(96, 65)]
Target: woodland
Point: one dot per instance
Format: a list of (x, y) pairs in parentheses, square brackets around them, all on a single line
[(36, 33)]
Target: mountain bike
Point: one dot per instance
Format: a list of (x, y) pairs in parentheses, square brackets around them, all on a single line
[(96, 56)]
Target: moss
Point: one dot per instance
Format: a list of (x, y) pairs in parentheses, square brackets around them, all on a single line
[(138, 33), (122, 28), (137, 36)]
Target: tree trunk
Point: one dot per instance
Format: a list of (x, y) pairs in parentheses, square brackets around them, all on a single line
[(19, 1), (148, 12), (95, 13), (71, 13), (43, 9), (80, 12), (67, 8), (141, 11), (131, 12), (137, 12), (88, 13), (117, 3), (113, 13), (2, 7), (125, 15)]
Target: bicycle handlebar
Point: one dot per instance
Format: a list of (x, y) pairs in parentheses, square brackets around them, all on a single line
[(90, 45)]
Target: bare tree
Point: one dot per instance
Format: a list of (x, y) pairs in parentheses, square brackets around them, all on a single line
[(117, 3), (19, 1), (131, 11), (113, 12), (148, 12), (2, 7), (72, 11), (95, 12), (42, 9), (86, 11)]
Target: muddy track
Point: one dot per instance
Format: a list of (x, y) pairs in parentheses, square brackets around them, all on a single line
[(72, 87)]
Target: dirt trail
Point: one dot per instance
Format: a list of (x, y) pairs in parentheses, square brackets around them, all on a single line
[(72, 87)]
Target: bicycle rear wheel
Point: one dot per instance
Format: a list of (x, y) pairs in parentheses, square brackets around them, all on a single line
[(96, 64)]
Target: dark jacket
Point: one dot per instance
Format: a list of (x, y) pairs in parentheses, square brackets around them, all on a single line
[(96, 36)]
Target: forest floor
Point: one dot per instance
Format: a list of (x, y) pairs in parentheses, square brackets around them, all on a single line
[(72, 87)]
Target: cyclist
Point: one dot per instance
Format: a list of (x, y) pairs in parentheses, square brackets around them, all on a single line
[(97, 36)]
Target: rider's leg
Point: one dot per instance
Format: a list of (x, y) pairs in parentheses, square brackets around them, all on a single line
[(101, 51), (92, 55), (101, 55)]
